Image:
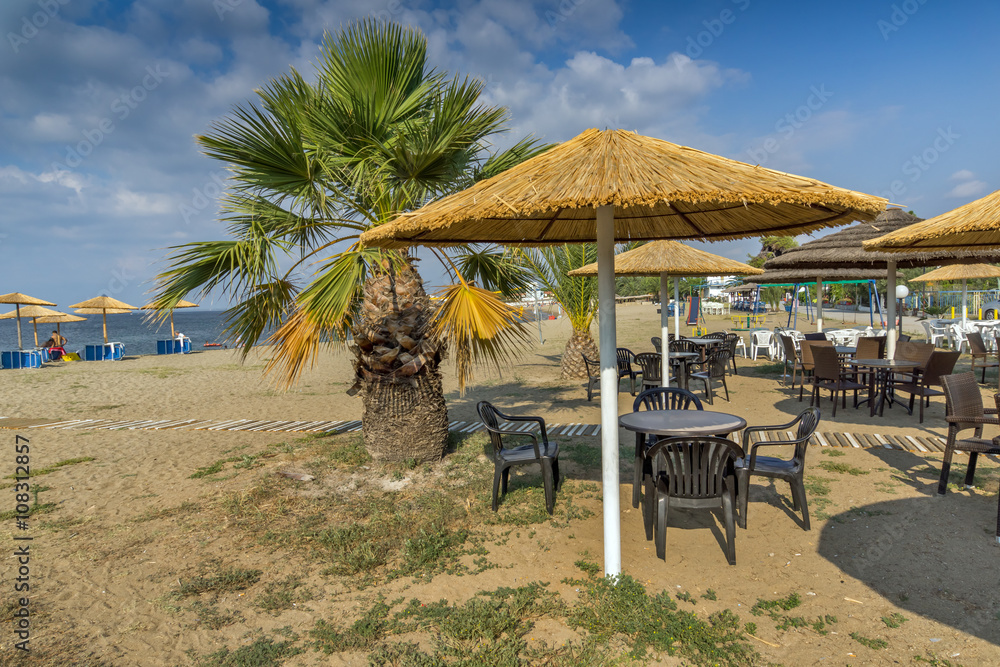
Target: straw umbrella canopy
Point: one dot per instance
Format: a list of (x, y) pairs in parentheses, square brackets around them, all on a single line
[(180, 304), (102, 305), (18, 300), (849, 249), (618, 185), (974, 226), (961, 272), (33, 313), (670, 259), (59, 319)]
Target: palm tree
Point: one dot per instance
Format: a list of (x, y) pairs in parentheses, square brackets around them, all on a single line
[(313, 166), (577, 296)]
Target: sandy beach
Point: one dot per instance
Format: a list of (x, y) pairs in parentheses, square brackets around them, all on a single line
[(893, 573)]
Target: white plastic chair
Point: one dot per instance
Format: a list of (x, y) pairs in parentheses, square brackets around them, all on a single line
[(762, 340), (934, 333), (956, 337)]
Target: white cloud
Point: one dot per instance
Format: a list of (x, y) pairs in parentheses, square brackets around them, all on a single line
[(967, 190), (142, 204), (962, 175)]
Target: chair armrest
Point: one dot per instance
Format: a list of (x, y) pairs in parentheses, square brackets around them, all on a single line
[(972, 421), (768, 443), (753, 429)]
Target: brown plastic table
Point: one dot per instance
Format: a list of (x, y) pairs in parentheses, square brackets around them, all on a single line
[(879, 384)]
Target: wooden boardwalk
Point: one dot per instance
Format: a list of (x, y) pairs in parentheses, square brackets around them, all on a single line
[(921, 443)]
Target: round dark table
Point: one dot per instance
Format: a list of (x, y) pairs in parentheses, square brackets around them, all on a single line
[(681, 422), (878, 389)]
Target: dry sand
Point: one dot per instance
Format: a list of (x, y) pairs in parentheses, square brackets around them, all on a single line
[(101, 567)]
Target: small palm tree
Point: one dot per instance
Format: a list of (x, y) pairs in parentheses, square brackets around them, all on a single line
[(576, 295), (316, 164)]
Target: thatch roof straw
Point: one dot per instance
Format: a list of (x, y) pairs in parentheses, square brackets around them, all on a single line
[(659, 190), (673, 259), (102, 311), (733, 289), (959, 272), (805, 276), (180, 304), (23, 299), (31, 312), (974, 226), (846, 248), (104, 303), (61, 318)]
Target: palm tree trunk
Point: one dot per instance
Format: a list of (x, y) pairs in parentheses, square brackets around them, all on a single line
[(581, 342), (397, 363)]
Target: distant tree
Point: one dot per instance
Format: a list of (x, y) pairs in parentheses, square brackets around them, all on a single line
[(770, 247)]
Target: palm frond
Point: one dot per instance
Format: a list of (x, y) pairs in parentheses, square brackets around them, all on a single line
[(479, 328), (495, 270)]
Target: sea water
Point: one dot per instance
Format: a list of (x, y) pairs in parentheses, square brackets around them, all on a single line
[(138, 334)]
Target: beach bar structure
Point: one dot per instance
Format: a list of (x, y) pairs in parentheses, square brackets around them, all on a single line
[(616, 186)]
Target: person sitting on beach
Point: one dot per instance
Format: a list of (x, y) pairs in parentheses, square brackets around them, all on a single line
[(55, 345)]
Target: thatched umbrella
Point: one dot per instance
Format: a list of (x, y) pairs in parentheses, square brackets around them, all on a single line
[(59, 319), (32, 312), (18, 300), (848, 249), (617, 185), (102, 305), (961, 272), (670, 259), (180, 304), (974, 226)]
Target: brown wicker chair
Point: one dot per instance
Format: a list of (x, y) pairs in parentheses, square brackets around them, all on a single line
[(964, 410), (940, 363), (981, 357), (828, 374), (806, 359), (870, 347), (790, 470), (692, 473), (660, 398)]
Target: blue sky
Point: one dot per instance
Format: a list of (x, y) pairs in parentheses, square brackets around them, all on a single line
[(100, 100)]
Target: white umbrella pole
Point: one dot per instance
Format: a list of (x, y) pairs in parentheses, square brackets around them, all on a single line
[(965, 305), (17, 308), (819, 305), (664, 330), (890, 308), (609, 389), (677, 308)]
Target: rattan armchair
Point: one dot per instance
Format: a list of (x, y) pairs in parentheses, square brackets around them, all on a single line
[(964, 410), (981, 357), (828, 374), (940, 363)]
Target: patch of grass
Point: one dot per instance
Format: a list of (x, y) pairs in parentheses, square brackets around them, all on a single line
[(787, 603), (710, 595), (224, 580), (345, 451), (934, 661), (774, 368), (55, 466), (373, 626), (241, 462), (817, 486), (586, 456), (887, 487), (684, 596), (264, 652), (874, 644), (842, 468), (284, 594), (209, 616), (894, 620), (166, 512), (819, 625), (833, 452)]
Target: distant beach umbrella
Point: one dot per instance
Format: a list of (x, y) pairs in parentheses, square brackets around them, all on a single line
[(180, 304), (58, 320), (33, 313), (102, 305), (620, 186), (960, 272), (670, 259), (18, 300)]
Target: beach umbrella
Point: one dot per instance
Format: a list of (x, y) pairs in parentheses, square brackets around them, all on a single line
[(102, 305), (59, 319), (180, 304), (850, 248), (670, 259), (32, 312), (18, 300), (974, 226), (960, 272), (618, 185)]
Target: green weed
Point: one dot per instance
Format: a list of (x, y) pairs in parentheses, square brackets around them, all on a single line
[(894, 620), (842, 468), (874, 644)]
